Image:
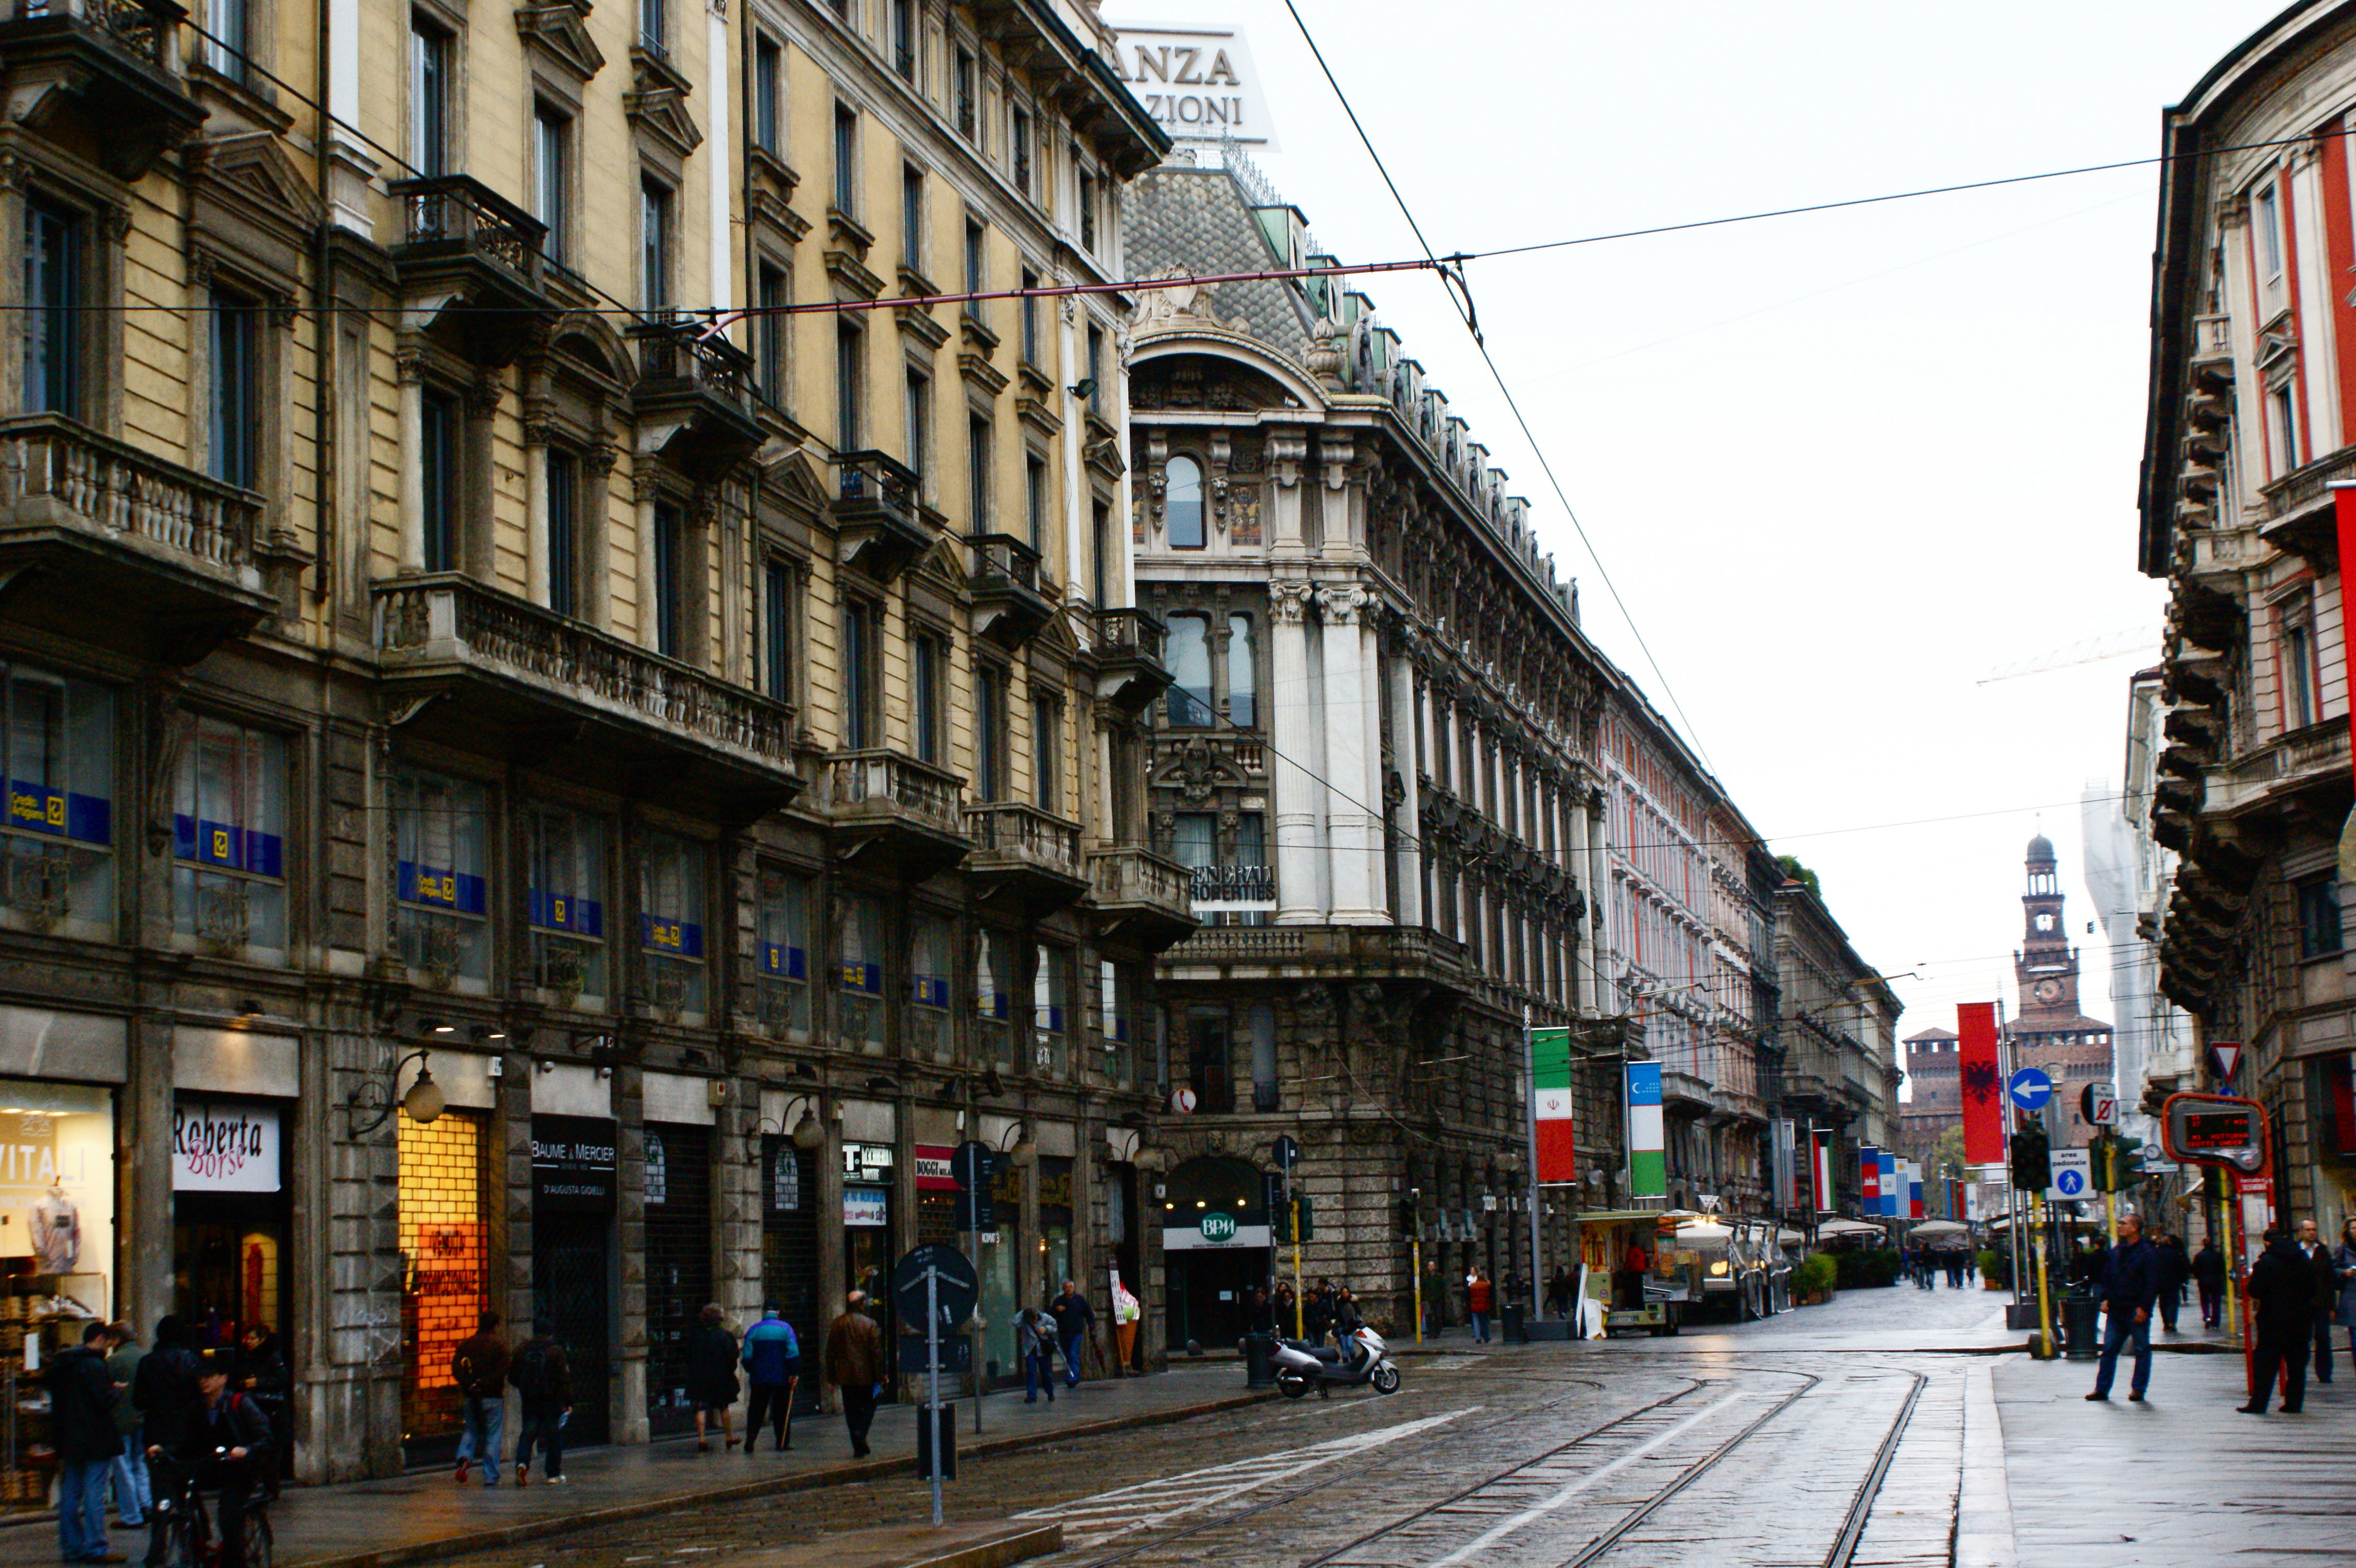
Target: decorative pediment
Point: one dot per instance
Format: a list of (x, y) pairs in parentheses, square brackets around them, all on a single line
[(558, 36), (944, 563), (795, 482), (656, 104), (256, 165), (251, 206)]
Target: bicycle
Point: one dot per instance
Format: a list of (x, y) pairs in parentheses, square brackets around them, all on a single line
[(189, 1538)]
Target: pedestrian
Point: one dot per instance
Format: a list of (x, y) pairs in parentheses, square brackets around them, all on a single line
[(1035, 1332), (1346, 1319), (543, 1385), (133, 1500), (1126, 1310), (855, 1365), (1479, 1298), (773, 1364), (1075, 1321), (1259, 1312), (2129, 1282), (2282, 1294), (2343, 1260), (2209, 1278), (2175, 1268), (82, 1429), (225, 1442), (1320, 1312), (479, 1365), (1559, 1291), (2326, 1293), (164, 1391), (1288, 1318), (712, 1376)]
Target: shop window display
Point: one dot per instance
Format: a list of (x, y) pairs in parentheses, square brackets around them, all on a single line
[(57, 1240), (442, 1270)]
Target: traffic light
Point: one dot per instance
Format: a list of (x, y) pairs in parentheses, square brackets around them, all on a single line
[(1284, 1216), (2032, 1161), (2119, 1163), (1410, 1223)]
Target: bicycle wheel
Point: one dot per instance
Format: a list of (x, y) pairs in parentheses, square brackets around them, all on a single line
[(258, 1539)]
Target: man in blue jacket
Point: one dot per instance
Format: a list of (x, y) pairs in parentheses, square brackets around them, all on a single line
[(2130, 1284), (772, 1359)]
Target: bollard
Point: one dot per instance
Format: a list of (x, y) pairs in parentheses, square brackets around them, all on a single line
[(1259, 1360)]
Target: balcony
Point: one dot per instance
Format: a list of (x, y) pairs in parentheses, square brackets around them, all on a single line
[(488, 670), (1128, 653), (476, 255), (1007, 607), (102, 543), (1023, 858), (695, 399), (102, 73), (2303, 766), (1684, 1094), (893, 813), (1142, 898), (880, 520), (1330, 953)]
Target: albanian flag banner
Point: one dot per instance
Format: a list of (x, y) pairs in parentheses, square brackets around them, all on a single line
[(1982, 1082)]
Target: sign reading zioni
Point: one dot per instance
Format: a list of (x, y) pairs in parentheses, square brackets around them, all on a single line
[(1198, 83)]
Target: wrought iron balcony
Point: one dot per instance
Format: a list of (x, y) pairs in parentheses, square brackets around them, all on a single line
[(694, 395), (1140, 898), (1128, 653), (881, 522), (131, 549), (1025, 857), (893, 813), (464, 243), (488, 665), (105, 69), (1008, 606)]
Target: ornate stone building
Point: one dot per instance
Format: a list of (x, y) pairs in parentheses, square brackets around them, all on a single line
[(1835, 1057), (2050, 1030), (1934, 1082)]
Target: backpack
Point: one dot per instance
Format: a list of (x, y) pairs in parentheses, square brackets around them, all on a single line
[(528, 1370)]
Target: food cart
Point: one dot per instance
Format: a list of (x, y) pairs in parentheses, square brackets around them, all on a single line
[(1652, 1298)]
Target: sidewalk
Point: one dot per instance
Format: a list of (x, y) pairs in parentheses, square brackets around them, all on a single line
[(426, 1515)]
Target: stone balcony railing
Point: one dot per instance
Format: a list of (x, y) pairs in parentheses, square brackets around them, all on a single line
[(2286, 765), (1129, 875), (1011, 834), (56, 468), (881, 783), (1352, 949)]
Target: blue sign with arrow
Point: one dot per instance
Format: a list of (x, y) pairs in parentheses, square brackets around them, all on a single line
[(2028, 1088)]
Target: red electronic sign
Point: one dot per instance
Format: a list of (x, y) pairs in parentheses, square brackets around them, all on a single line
[(2214, 1130)]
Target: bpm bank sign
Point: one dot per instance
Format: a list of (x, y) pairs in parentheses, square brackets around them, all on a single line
[(1198, 83)]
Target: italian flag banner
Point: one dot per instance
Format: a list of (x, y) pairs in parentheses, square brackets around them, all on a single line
[(1550, 1101), (1648, 1159)]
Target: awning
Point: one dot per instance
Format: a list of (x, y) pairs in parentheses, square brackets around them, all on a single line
[(1847, 1227), (1941, 1227)]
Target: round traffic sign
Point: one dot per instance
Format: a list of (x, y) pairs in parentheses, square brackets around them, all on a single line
[(1287, 1152), (2070, 1182), (957, 1288), (1218, 1227), (2030, 1089)]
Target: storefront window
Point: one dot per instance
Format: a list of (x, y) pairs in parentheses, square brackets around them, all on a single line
[(1054, 1224), (567, 907), (784, 953), (928, 991), (59, 829), (441, 825), (678, 1264), (1051, 988), (999, 1263), (442, 1287), (231, 1225), (229, 844), (993, 999), (867, 1227), (671, 924), (862, 971), (56, 1193)]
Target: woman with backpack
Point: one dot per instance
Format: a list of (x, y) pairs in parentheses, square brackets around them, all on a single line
[(712, 1376), (543, 1381)]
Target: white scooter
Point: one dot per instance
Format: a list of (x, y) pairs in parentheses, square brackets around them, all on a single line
[(1300, 1366)]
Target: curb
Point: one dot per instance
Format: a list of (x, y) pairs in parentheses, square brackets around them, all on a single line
[(743, 1491)]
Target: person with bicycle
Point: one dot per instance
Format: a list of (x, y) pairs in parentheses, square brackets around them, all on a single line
[(224, 1446)]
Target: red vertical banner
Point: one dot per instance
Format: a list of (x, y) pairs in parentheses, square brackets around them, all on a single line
[(2343, 507), (1981, 1078)]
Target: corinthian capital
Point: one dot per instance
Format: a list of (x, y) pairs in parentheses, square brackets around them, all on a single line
[(1287, 601), (1342, 603)]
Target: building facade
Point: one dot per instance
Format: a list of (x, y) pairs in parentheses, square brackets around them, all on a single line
[(536, 793), (1835, 1048), (1935, 1085), (2247, 426)]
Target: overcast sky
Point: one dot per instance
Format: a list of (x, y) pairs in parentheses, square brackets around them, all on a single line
[(1841, 467)]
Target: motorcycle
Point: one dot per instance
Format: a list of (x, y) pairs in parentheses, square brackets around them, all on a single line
[(1300, 1366)]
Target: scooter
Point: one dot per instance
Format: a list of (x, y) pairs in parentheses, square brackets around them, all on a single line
[(1300, 1366)]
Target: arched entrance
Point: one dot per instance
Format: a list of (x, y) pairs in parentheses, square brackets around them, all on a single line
[(1215, 1247)]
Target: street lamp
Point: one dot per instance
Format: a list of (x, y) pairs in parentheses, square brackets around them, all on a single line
[(423, 1104)]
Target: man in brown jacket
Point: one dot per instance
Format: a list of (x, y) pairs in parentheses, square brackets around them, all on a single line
[(479, 1367), (854, 1364)]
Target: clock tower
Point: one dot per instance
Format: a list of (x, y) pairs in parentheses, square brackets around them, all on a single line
[(2045, 965)]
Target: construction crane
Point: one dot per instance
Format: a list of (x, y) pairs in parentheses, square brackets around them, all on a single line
[(2093, 650)]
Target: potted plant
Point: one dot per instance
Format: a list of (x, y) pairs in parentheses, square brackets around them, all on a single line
[(1812, 1280), (1995, 1270)]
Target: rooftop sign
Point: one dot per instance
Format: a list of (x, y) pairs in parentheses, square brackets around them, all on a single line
[(1198, 83)]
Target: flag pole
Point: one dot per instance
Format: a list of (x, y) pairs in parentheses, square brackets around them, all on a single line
[(1530, 1133)]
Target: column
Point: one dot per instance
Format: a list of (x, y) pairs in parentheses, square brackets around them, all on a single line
[(1286, 450), (478, 503), (1300, 794), (1353, 828), (1598, 889), (644, 489), (408, 366), (536, 434), (1407, 717), (596, 529), (2317, 319), (720, 164)]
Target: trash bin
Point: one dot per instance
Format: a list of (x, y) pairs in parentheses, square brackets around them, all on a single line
[(1259, 1360), (2080, 1315), (1515, 1322)]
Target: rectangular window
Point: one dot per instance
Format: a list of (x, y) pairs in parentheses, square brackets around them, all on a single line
[(2318, 918), (965, 98), (442, 828), (651, 31), (671, 913), (1096, 371), (1034, 499), (2268, 223), (1022, 152), (1194, 842), (769, 333), (977, 477), (1116, 1011), (1207, 1066), (429, 98), (654, 245), (229, 836), (925, 666), (930, 945), (975, 269), (437, 458), (904, 38), (912, 218), (779, 600), (1051, 996), (768, 82), (671, 581), (565, 907), (1189, 661), (862, 999), (1030, 318), (551, 162), (1263, 1058), (919, 420), (53, 316), (229, 22), (2282, 412), (563, 533), (848, 353), (993, 996), (236, 401), (1103, 547), (2298, 668), (1243, 673), (58, 834), (846, 160), (1087, 212), (989, 735), (1047, 751), (858, 676), (784, 953)]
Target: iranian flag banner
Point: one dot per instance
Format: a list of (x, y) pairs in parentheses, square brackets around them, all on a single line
[(1550, 1100), (1648, 1158)]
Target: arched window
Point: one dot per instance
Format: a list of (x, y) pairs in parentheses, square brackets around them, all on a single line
[(1243, 708), (1182, 500)]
